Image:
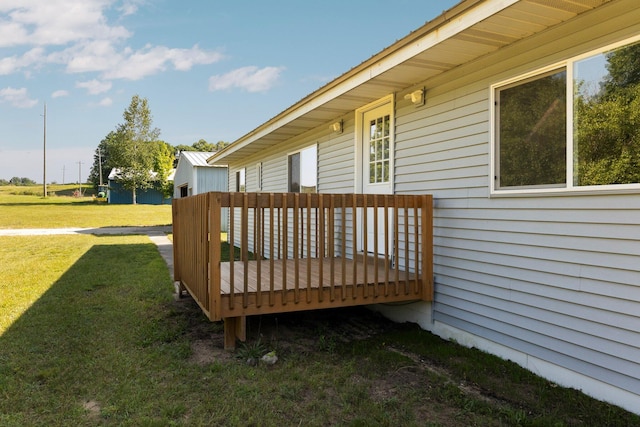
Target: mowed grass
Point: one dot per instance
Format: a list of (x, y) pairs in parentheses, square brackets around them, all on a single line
[(34, 211), (90, 334)]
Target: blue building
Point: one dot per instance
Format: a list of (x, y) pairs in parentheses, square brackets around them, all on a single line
[(118, 195)]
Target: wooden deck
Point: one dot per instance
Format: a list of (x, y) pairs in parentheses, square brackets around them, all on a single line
[(301, 252)]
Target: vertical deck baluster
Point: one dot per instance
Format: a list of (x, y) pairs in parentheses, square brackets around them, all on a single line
[(387, 262), (354, 208), (332, 248), (407, 283), (272, 256), (365, 245), (343, 290), (416, 247), (396, 244), (375, 245), (296, 254), (320, 236), (232, 254), (285, 254), (308, 233), (257, 248), (244, 247)]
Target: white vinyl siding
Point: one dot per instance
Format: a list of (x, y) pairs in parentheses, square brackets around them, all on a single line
[(554, 277), (336, 161)]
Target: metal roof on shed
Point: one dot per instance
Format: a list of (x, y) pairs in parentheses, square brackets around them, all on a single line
[(197, 158)]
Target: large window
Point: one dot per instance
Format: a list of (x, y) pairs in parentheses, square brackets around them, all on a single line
[(303, 167), (576, 126)]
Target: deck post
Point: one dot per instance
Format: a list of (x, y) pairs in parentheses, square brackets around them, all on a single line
[(175, 214), (235, 328), (215, 300)]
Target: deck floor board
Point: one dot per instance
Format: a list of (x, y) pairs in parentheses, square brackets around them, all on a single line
[(310, 268)]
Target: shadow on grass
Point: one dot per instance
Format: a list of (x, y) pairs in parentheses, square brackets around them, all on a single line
[(85, 340)]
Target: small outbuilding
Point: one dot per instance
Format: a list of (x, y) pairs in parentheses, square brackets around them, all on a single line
[(195, 176)]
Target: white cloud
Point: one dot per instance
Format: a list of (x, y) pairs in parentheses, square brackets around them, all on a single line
[(184, 59), (59, 94), (106, 102), (90, 56), (12, 64), (95, 87), (134, 65), (83, 40), (251, 79), (41, 23), (17, 97), (129, 7)]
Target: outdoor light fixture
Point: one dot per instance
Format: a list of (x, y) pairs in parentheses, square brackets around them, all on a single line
[(416, 97), (337, 126)]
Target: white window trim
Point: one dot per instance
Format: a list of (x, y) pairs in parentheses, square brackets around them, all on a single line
[(358, 169), (259, 176), (240, 172), (570, 188)]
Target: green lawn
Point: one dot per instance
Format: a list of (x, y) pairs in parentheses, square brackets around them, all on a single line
[(90, 334), (34, 211)]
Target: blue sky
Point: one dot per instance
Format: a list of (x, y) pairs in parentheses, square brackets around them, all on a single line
[(210, 69)]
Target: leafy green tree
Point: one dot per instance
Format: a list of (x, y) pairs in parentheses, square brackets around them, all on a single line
[(102, 155), (202, 145), (163, 159), (134, 147), (16, 180)]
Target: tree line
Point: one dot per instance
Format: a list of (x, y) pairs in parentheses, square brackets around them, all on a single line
[(137, 155), (17, 181)]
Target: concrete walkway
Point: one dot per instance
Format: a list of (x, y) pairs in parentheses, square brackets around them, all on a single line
[(157, 234)]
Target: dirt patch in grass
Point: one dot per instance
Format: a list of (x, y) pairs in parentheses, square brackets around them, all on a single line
[(93, 409), (207, 351)]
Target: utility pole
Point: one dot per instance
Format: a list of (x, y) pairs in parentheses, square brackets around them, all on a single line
[(100, 167), (63, 174), (80, 178), (44, 153)]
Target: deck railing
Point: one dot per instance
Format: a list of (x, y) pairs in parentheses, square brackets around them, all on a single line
[(302, 251)]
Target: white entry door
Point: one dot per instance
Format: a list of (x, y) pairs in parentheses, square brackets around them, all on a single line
[(377, 167)]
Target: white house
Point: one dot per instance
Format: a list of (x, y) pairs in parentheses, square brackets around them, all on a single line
[(195, 176), (519, 117)]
